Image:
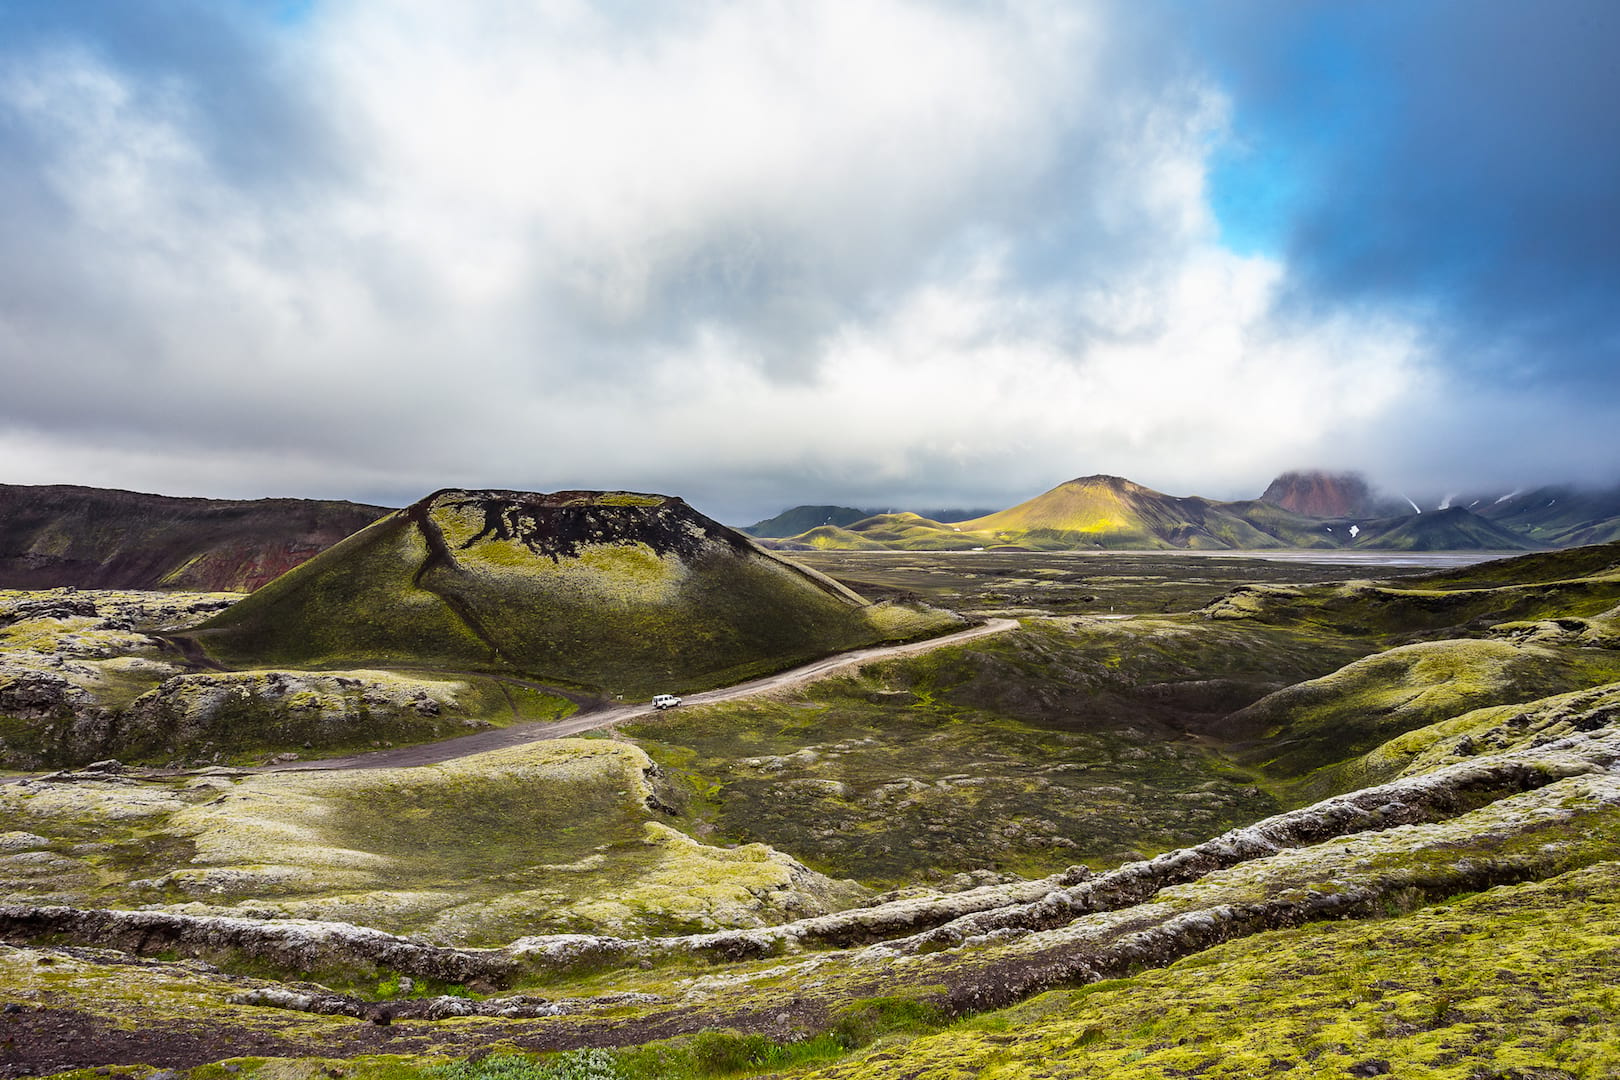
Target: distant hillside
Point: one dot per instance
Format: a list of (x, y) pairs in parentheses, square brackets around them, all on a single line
[(612, 591), (804, 518), (1322, 494), (884, 532), (1452, 529), (1558, 516), (96, 538)]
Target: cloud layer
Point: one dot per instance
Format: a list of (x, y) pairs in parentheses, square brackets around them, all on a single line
[(766, 253)]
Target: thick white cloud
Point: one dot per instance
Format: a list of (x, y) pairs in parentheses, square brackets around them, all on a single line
[(755, 253)]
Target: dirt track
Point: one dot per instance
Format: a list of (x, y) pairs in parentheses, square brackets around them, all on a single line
[(589, 718)]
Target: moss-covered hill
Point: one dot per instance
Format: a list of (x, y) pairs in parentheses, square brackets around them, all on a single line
[(628, 594)]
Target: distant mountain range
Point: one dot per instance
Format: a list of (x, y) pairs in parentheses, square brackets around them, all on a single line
[(53, 536), (1553, 516), (1302, 510)]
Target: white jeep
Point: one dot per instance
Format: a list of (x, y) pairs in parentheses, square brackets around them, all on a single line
[(665, 701)]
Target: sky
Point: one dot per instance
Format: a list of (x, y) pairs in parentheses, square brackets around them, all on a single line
[(877, 253)]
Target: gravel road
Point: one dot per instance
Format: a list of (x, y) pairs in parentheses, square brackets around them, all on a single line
[(592, 718)]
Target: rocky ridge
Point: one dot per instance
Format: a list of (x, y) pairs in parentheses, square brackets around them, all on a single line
[(1465, 827)]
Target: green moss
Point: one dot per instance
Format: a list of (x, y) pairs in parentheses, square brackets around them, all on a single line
[(1516, 979), (626, 498), (1026, 753), (558, 836), (1326, 721), (1367, 609), (1597, 560)]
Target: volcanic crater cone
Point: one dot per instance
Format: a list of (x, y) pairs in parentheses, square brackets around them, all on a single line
[(613, 591)]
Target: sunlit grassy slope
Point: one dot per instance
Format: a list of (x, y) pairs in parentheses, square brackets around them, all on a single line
[(625, 593)]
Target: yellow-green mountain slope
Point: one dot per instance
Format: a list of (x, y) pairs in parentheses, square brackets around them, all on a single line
[(1109, 511)]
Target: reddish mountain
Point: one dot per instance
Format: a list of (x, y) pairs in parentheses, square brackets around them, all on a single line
[(1321, 494), (95, 538)]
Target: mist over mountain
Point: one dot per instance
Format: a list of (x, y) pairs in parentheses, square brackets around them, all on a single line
[(1322, 494)]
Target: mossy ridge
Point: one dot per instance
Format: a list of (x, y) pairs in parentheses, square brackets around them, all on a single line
[(1592, 561), (1499, 984), (241, 717), (1365, 608), (560, 836), (1325, 721), (1494, 729)]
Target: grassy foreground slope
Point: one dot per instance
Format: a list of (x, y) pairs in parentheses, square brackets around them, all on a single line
[(1323, 721), (566, 835), (624, 593)]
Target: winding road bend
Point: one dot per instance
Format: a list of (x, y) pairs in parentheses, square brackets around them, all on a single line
[(589, 719)]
